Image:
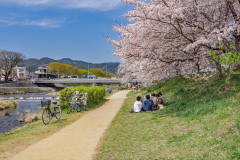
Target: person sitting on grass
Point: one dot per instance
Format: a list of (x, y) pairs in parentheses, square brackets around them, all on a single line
[(160, 101), (138, 105), (155, 102), (148, 103), (163, 98)]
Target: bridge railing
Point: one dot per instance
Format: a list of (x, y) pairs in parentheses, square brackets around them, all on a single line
[(80, 80)]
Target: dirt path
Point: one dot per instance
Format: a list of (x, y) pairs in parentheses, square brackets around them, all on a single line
[(79, 140)]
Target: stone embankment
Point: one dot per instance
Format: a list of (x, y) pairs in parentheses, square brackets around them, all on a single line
[(21, 88)]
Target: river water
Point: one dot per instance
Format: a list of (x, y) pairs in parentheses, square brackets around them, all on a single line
[(30, 101)]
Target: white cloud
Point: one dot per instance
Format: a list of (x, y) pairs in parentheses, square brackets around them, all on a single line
[(48, 23), (45, 23), (95, 4)]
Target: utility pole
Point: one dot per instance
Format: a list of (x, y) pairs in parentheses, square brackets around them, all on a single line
[(29, 72), (88, 70), (46, 72), (25, 73), (106, 70)]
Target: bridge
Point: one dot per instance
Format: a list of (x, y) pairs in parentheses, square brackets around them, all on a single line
[(80, 80), (77, 80)]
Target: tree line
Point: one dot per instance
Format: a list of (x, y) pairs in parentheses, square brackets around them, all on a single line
[(9, 60), (62, 69)]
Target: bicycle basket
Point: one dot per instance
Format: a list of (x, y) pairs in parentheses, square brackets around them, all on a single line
[(45, 103)]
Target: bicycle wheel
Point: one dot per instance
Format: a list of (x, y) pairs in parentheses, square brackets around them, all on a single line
[(58, 112), (46, 116), (78, 108), (69, 109), (73, 109)]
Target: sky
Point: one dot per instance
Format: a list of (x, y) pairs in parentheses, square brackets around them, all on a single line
[(58, 29)]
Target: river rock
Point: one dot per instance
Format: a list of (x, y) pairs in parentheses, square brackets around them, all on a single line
[(27, 111), (7, 114), (2, 108), (33, 116), (22, 120), (28, 119), (6, 107), (39, 115)]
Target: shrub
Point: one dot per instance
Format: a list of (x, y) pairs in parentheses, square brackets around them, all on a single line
[(95, 94), (14, 104)]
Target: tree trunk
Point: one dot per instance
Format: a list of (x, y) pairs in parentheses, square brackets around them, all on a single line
[(218, 68), (6, 78), (198, 68)]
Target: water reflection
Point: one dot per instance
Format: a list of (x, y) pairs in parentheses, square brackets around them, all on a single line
[(31, 101)]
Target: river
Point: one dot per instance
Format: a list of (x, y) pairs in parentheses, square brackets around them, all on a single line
[(31, 101)]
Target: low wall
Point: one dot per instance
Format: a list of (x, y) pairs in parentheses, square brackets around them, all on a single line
[(21, 88)]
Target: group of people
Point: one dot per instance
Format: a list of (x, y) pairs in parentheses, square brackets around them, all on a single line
[(136, 86), (155, 102)]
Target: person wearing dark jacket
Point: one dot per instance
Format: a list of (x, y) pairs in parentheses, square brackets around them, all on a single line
[(148, 103)]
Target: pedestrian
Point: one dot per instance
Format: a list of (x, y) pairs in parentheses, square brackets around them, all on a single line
[(148, 103), (138, 105), (160, 101), (155, 101), (163, 98)]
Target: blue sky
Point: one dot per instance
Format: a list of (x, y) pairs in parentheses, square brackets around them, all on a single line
[(61, 28)]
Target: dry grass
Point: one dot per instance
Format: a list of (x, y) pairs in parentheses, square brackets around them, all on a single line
[(54, 93), (5, 104)]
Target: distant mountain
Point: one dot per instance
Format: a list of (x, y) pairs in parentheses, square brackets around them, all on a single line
[(32, 64)]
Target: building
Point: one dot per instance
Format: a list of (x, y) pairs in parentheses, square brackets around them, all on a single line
[(42, 72), (17, 73)]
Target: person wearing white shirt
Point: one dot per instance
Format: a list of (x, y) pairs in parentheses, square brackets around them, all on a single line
[(138, 105)]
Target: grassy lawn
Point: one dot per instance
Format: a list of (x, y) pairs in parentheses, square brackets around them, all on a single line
[(202, 121), (18, 139)]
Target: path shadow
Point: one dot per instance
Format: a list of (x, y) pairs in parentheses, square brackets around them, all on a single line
[(60, 120)]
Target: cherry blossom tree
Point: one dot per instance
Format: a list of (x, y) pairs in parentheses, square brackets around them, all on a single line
[(167, 38)]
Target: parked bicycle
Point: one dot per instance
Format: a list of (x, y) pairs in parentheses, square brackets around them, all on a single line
[(83, 104), (48, 113), (74, 106)]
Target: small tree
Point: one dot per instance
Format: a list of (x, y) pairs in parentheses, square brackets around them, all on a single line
[(83, 72), (62, 69), (111, 75), (8, 60), (97, 72)]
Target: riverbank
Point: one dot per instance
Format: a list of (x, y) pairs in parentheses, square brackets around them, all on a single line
[(201, 121), (21, 88)]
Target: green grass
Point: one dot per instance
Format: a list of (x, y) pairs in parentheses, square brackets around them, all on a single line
[(202, 121), (14, 103), (18, 139)]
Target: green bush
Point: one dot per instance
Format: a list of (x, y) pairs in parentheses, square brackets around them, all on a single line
[(95, 94), (14, 103)]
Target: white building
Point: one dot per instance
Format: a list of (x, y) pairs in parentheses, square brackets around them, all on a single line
[(17, 73)]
